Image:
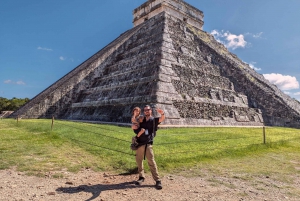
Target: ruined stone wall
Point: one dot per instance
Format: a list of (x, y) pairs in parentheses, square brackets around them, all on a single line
[(127, 78), (5, 114), (216, 84), (198, 91)]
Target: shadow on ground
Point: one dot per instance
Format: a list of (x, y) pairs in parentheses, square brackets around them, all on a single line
[(96, 190)]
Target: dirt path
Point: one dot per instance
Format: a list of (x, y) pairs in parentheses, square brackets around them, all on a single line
[(89, 185)]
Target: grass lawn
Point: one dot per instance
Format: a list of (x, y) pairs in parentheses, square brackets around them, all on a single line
[(32, 147)]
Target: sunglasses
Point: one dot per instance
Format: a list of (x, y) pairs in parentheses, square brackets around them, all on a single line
[(145, 110)]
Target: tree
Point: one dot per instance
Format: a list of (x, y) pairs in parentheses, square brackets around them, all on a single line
[(12, 104)]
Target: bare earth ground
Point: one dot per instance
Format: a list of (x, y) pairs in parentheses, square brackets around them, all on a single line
[(89, 185)]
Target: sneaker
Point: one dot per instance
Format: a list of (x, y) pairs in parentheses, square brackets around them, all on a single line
[(140, 181), (158, 185)]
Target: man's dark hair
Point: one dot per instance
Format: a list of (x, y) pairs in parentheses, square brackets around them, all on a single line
[(147, 106)]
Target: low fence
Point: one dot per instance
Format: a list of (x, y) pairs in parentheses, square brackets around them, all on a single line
[(185, 141)]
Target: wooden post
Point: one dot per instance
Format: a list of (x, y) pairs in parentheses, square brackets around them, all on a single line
[(264, 134), (52, 123)]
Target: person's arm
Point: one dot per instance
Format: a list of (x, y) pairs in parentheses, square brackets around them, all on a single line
[(141, 132), (134, 127), (134, 123), (162, 115), (141, 119)]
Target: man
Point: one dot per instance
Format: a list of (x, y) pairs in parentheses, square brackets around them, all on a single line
[(145, 149)]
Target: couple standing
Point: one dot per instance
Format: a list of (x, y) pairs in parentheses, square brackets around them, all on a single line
[(145, 127)]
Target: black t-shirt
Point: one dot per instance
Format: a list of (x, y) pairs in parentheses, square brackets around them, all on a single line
[(151, 127)]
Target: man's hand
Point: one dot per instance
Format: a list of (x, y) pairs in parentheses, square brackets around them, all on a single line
[(162, 115), (160, 111)]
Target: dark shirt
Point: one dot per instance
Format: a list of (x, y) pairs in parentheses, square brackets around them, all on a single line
[(151, 126), (136, 131)]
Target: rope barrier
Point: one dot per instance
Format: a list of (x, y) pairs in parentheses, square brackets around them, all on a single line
[(97, 134), (99, 146), (192, 151), (212, 140), (184, 134), (166, 143), (91, 125), (159, 144), (94, 132), (198, 133)]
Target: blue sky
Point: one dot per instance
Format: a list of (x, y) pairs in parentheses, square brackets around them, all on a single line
[(42, 40)]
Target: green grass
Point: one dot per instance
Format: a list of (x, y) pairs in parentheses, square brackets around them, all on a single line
[(31, 146)]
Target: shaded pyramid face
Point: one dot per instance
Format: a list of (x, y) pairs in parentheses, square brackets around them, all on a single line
[(167, 62)]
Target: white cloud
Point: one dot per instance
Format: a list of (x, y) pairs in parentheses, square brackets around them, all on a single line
[(251, 64), (215, 33), (283, 82), (258, 35), (287, 92), (297, 94), (230, 40), (8, 81), (62, 58), (12, 82), (20, 83), (44, 48), (235, 41)]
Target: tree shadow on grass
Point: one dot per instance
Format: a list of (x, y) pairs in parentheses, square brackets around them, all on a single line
[(96, 190)]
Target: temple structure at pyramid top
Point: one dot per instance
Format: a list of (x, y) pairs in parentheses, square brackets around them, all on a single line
[(176, 8), (166, 60)]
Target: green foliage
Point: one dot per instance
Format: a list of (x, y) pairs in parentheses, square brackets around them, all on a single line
[(11, 104)]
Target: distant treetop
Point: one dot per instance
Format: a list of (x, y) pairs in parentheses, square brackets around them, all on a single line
[(12, 104)]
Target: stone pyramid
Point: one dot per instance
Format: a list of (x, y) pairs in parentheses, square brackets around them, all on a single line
[(166, 60)]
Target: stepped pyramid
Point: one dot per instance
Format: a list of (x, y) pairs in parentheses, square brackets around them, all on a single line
[(166, 60)]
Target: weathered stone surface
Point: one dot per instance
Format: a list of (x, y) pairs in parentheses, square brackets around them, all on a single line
[(171, 63), (5, 114), (176, 8)]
